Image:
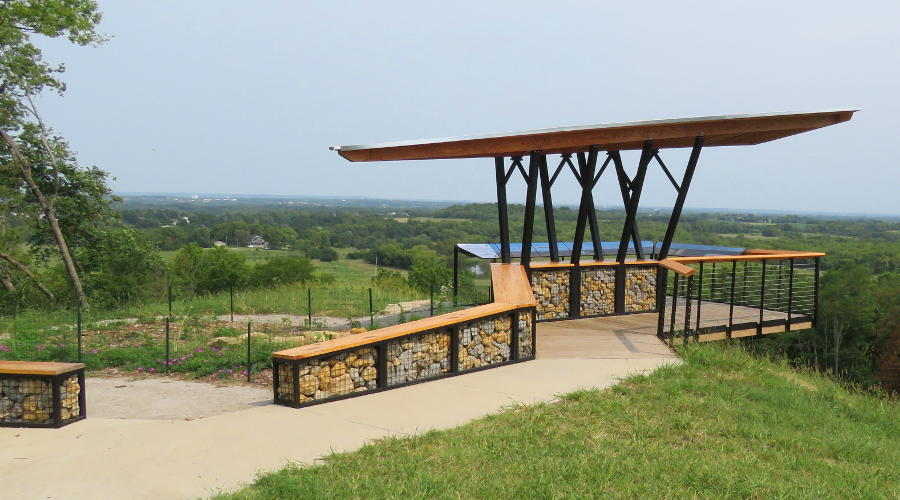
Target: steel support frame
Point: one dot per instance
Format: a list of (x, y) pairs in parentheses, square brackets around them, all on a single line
[(502, 209), (682, 196)]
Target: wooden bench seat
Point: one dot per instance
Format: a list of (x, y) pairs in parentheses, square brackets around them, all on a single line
[(46, 368), (511, 291)]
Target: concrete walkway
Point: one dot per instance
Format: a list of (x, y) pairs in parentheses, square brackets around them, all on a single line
[(116, 458)]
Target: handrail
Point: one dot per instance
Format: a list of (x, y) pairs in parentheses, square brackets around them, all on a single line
[(677, 267), (512, 290), (745, 257)]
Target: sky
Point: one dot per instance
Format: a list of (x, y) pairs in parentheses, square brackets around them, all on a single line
[(225, 96)]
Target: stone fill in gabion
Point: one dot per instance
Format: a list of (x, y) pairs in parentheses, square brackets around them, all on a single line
[(69, 391), (26, 401), (598, 291), (640, 289), (285, 382), (323, 378), (551, 291), (526, 344), (419, 357), (485, 342)]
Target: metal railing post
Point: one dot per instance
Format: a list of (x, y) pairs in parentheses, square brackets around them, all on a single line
[(700, 294), (731, 304), (762, 298), (815, 318), (674, 308), (687, 309), (661, 285), (790, 308)]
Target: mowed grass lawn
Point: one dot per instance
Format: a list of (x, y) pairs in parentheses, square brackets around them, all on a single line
[(724, 424)]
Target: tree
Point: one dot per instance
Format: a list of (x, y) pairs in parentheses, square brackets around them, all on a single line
[(281, 270), (848, 315), (429, 270), (24, 74)]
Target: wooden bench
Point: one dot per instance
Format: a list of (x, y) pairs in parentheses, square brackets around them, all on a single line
[(41, 394)]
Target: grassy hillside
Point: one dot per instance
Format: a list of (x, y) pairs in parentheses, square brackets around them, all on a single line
[(725, 424)]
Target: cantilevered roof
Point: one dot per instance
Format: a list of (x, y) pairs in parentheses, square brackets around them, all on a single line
[(726, 130)]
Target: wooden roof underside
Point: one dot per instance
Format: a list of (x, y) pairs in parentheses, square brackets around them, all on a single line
[(738, 130)]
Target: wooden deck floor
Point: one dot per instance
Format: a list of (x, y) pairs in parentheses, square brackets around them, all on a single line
[(613, 337), (634, 335)]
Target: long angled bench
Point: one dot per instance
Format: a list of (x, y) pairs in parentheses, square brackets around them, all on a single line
[(450, 344), (41, 394)]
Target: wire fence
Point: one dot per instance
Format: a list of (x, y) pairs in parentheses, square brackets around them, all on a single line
[(229, 335)]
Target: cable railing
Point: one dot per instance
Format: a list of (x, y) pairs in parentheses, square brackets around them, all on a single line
[(722, 297)]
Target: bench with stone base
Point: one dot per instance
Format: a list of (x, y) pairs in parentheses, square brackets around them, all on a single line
[(41, 394)]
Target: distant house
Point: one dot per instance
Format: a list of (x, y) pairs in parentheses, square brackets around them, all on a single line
[(218, 243), (257, 241)]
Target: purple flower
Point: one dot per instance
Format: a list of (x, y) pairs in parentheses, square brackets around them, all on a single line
[(62, 345), (152, 370), (230, 372), (4, 348), (39, 347), (221, 354), (95, 351), (140, 369), (183, 358), (212, 376), (190, 355), (199, 349), (244, 372)]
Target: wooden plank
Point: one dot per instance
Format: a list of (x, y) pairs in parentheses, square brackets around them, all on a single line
[(718, 131), (764, 251), (38, 367), (677, 267), (511, 286), (511, 291)]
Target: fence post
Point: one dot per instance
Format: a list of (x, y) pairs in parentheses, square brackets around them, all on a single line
[(169, 286), (168, 354), (78, 330), (431, 299), (309, 307), (231, 298), (371, 311), (249, 323)]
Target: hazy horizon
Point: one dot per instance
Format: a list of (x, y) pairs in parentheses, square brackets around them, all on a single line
[(219, 96)]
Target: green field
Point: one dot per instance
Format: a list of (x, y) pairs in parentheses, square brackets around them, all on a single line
[(723, 425)]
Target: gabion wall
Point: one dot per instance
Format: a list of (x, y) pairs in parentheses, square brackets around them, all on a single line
[(526, 341), (640, 289), (30, 400), (598, 290), (337, 375), (485, 342), (551, 291), (418, 357)]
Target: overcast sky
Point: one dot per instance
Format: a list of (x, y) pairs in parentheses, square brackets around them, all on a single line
[(219, 96)]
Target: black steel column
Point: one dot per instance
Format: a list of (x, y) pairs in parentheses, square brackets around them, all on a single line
[(699, 295), (637, 184), (661, 284), (584, 165), (502, 210), (625, 189), (530, 195), (546, 183), (682, 195)]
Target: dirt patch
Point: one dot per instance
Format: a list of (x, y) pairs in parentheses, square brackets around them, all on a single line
[(168, 398)]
